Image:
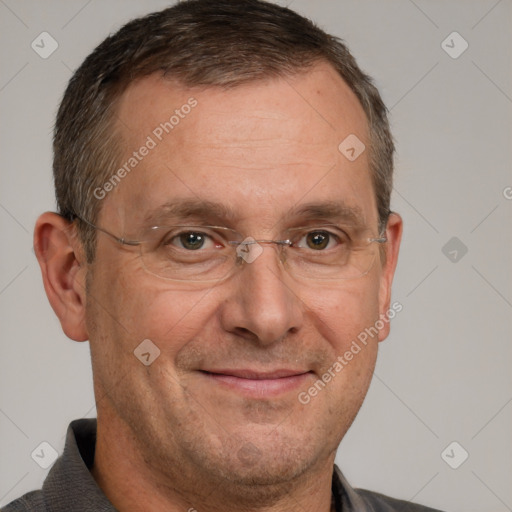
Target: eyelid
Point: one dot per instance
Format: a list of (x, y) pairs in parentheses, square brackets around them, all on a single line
[(329, 228)]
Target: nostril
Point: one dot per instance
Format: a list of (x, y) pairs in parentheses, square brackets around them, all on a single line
[(245, 333)]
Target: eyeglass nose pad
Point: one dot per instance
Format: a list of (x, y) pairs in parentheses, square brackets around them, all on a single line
[(283, 253)]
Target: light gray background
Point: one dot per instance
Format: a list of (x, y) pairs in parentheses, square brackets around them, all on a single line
[(444, 374)]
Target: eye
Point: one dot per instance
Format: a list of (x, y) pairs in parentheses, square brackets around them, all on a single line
[(318, 240), (191, 240)]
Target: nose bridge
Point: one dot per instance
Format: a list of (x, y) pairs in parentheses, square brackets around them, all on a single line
[(264, 301), (276, 252), (250, 249), (272, 257), (265, 271)]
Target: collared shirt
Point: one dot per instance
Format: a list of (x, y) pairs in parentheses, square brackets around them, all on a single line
[(70, 487)]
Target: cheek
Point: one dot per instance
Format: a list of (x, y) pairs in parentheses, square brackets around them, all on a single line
[(127, 310), (342, 312), (343, 316), (130, 305), (168, 316)]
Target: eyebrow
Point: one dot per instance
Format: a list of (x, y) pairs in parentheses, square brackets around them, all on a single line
[(333, 211), (219, 213), (191, 209)]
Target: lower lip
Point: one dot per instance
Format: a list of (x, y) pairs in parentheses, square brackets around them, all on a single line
[(260, 388)]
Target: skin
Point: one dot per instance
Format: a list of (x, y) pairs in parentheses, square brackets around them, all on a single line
[(171, 437)]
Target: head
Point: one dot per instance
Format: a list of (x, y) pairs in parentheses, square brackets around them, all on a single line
[(241, 108)]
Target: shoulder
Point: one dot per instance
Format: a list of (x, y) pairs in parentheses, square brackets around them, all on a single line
[(380, 503), (32, 501), (349, 499)]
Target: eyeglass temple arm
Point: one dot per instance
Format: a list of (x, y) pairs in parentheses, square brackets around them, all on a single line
[(122, 241)]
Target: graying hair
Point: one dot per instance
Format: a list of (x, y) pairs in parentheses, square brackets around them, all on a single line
[(225, 43)]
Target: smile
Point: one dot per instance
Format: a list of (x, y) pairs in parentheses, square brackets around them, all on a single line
[(258, 384)]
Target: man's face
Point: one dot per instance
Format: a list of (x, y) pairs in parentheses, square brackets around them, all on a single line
[(212, 401)]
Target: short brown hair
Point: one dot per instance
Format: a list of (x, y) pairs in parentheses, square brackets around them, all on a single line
[(222, 43)]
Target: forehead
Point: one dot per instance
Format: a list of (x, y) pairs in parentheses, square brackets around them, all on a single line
[(259, 148)]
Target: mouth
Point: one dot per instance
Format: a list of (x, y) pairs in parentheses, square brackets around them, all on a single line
[(258, 384)]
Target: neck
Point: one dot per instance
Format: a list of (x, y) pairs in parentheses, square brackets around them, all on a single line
[(133, 482)]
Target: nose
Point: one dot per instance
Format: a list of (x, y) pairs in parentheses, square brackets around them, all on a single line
[(263, 305)]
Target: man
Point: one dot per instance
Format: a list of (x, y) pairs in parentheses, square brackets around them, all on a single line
[(224, 241)]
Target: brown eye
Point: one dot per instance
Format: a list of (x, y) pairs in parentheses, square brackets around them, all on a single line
[(192, 240), (318, 240)]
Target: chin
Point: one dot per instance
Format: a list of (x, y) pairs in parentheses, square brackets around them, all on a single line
[(271, 461), (262, 481)]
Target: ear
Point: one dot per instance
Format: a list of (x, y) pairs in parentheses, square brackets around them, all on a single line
[(392, 246), (60, 256)]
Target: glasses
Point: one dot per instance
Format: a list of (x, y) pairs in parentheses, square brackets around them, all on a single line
[(213, 253)]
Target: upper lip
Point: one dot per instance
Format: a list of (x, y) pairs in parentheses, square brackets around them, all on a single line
[(257, 374)]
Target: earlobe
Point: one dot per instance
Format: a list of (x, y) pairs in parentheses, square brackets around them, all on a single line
[(63, 269), (394, 236)]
